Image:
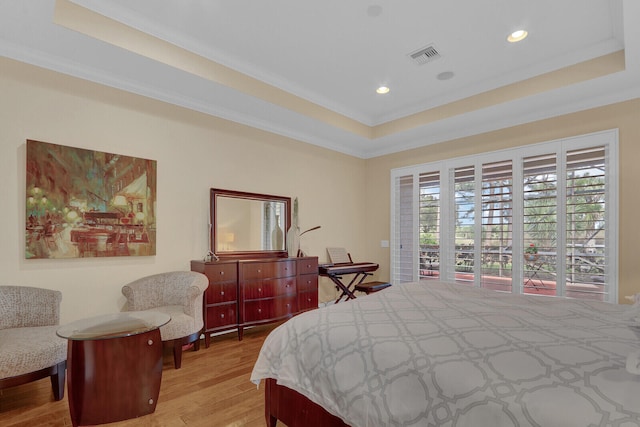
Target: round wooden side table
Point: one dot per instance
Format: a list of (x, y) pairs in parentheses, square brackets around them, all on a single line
[(114, 366)]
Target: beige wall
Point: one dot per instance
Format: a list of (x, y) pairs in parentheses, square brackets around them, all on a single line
[(194, 152), (348, 197), (624, 116)]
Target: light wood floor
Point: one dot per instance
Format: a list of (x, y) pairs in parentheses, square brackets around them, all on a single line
[(211, 389)]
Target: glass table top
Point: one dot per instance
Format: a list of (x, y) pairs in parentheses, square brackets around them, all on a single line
[(114, 325)]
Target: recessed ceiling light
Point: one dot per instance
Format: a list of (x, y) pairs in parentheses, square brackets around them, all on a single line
[(445, 75), (516, 36), (382, 90)]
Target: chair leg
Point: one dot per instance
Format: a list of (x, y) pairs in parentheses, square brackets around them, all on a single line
[(177, 353), (196, 343), (57, 380), (179, 343)]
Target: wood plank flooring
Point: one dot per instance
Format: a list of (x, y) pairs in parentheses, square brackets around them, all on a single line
[(211, 389)]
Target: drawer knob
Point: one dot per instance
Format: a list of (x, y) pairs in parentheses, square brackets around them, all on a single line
[(259, 310), (288, 305), (259, 290), (308, 265), (259, 271), (308, 282), (150, 401), (309, 299), (222, 273), (150, 342), (222, 316), (221, 293)]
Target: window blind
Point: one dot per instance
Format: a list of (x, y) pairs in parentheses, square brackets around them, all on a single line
[(429, 224), (463, 261), (497, 225), (540, 231), (403, 248), (586, 223), (475, 220)]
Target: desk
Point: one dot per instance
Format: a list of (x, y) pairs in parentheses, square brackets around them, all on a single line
[(114, 366), (360, 270)]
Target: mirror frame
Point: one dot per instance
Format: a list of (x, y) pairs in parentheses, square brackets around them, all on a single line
[(216, 192)]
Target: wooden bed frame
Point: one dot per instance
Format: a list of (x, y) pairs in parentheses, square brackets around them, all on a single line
[(293, 409)]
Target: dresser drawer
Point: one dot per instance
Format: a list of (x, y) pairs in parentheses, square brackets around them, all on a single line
[(221, 292), (269, 288), (286, 306), (308, 282), (269, 309), (266, 270), (308, 266), (221, 315), (307, 300), (258, 310), (285, 268), (221, 272), (285, 286)]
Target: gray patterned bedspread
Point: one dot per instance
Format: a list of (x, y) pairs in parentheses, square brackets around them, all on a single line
[(435, 354)]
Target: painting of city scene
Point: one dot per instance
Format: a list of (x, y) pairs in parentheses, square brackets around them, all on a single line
[(84, 203)]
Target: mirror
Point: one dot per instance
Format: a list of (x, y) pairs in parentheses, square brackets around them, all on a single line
[(249, 224)]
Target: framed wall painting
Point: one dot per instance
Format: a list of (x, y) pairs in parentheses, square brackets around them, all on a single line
[(85, 203)]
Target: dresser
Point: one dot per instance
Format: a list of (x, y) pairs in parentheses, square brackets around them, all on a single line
[(247, 292)]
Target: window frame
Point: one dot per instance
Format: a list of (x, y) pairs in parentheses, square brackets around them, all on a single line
[(607, 139)]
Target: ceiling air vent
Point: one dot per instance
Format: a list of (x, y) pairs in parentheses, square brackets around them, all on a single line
[(424, 55)]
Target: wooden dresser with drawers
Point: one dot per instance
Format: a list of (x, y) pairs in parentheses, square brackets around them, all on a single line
[(246, 292)]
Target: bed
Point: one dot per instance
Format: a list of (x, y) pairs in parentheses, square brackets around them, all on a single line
[(438, 354)]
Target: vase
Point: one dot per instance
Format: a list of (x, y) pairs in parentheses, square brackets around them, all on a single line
[(293, 241), (293, 233), (277, 236)]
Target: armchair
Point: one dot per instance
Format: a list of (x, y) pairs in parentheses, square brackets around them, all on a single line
[(177, 293), (29, 347)]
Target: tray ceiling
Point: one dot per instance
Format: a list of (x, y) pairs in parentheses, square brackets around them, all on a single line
[(309, 70)]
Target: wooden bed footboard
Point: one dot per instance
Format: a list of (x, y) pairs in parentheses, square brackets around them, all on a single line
[(293, 409)]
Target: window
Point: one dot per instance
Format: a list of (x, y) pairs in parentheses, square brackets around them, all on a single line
[(586, 224), (540, 216), (403, 239), (429, 224), (496, 239), (535, 220), (464, 230)]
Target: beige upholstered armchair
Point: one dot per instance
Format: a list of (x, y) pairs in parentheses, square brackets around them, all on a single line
[(29, 347), (177, 293)]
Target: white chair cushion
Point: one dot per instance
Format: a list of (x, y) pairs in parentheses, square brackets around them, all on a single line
[(180, 325), (24, 350)]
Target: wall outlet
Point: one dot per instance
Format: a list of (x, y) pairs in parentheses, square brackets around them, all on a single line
[(384, 243)]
